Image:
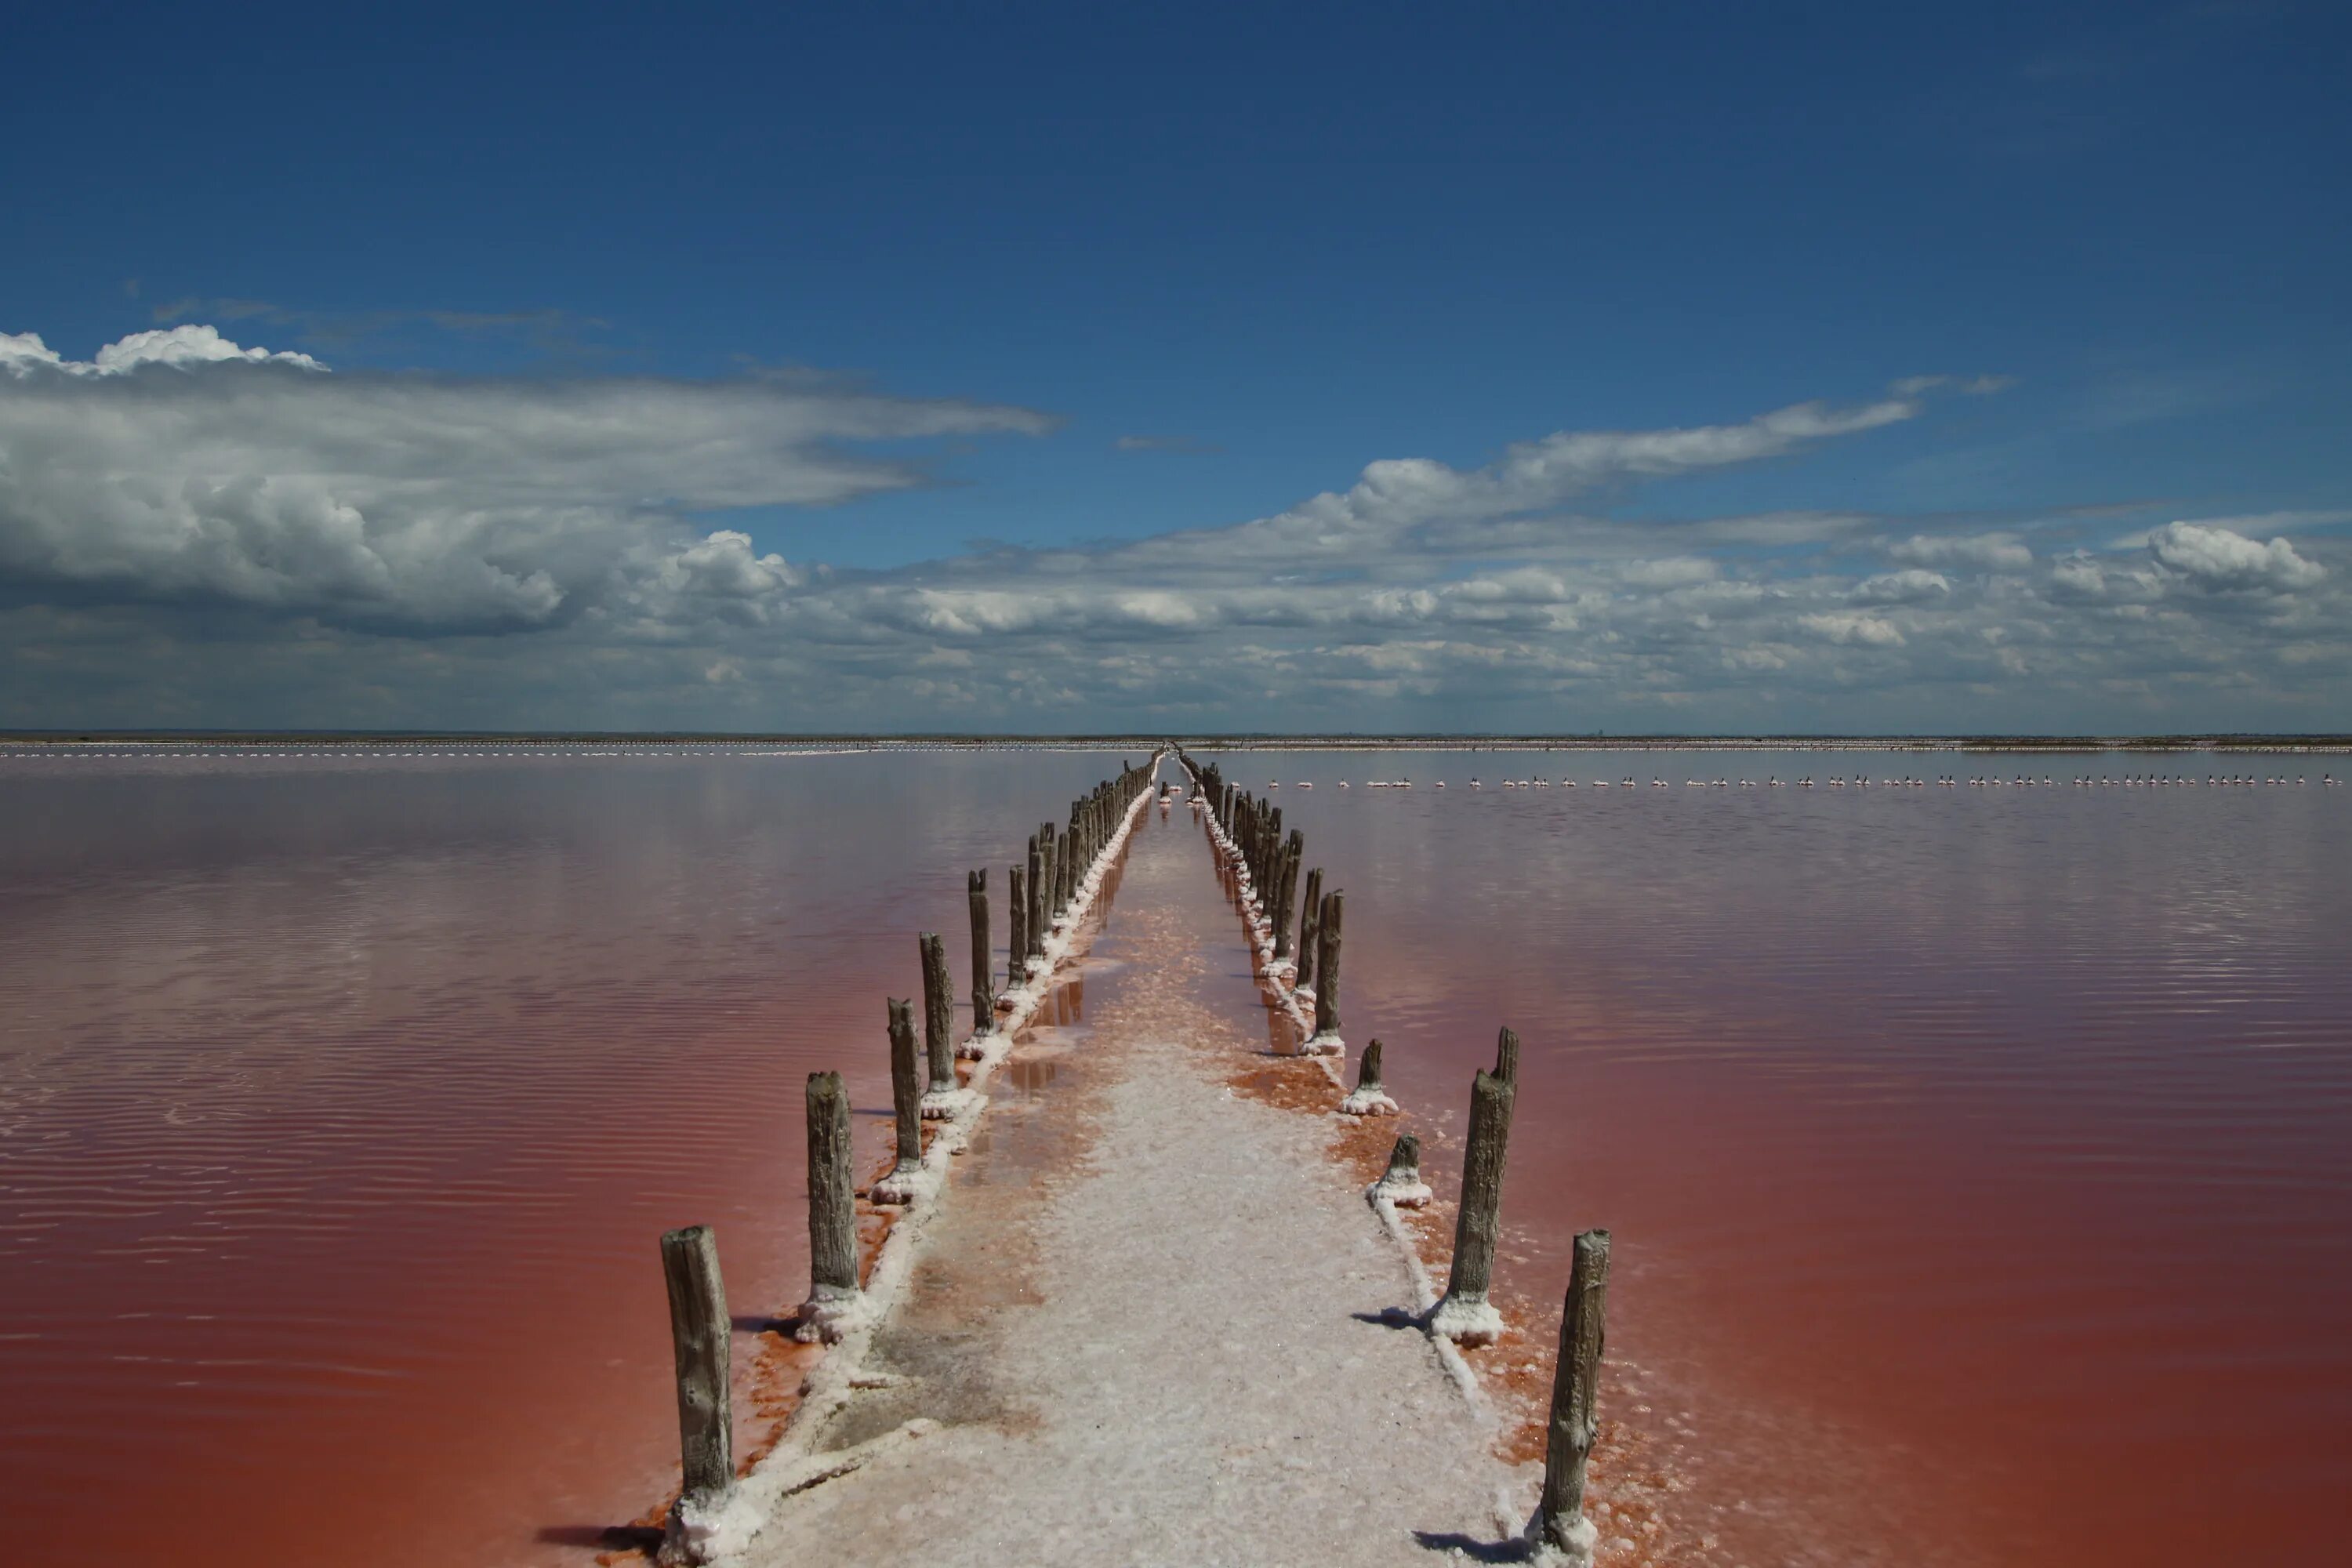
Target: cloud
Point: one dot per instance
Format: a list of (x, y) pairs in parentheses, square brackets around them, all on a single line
[(2226, 561), (176, 466), (424, 550), (1913, 586), (26, 357), (1851, 626), (1992, 552)]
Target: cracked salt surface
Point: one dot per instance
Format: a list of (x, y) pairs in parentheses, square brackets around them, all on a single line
[(1147, 1322)]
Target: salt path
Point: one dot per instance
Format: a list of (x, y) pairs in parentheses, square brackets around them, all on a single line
[(1145, 1324)]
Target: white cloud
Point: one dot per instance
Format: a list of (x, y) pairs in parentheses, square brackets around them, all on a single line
[(2221, 558), (1853, 627), (176, 466), (1906, 587), (1992, 552), (24, 355)]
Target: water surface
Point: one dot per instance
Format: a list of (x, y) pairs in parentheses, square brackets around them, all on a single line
[(344, 1097), (1979, 1159)]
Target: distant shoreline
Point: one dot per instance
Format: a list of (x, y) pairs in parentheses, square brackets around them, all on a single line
[(329, 740)]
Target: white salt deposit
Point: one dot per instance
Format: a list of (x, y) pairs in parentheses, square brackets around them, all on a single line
[(1466, 1320)]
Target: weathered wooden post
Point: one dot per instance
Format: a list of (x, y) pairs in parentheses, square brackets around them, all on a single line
[(1049, 888), (1312, 908), (984, 993), (1285, 883), (1326, 1040), (1035, 923), (698, 1330), (944, 1093), (834, 1297), (1575, 1400), (1370, 1096), (1506, 1057), (1016, 938), (1465, 1315), (1401, 1183), (905, 1181)]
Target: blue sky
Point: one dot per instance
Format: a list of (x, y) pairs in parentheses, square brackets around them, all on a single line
[(1041, 286)]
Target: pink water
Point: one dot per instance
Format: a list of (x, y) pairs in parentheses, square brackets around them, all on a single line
[(1978, 1159), (342, 1102)]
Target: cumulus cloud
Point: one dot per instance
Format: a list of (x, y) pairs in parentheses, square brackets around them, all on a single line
[(24, 355), (2223, 559), (176, 466)]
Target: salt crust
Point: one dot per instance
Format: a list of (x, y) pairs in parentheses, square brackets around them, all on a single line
[(718, 1536), (1466, 1320), (1583, 1542), (1371, 1102)]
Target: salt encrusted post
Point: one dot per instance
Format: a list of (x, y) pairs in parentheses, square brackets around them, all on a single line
[(1034, 925), (1370, 1096), (1048, 887), (1575, 1396), (1312, 912), (1326, 1040), (1285, 884), (1016, 939), (1466, 1316), (984, 994), (1401, 1183), (698, 1327), (905, 1177), (832, 1298), (944, 1093)]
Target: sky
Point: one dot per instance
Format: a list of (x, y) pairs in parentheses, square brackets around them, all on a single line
[(1673, 368)]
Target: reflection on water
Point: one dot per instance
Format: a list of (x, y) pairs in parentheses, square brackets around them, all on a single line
[(342, 1101), (1979, 1159)]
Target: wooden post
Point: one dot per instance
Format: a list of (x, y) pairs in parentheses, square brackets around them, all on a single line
[(1465, 1315), (1506, 1057), (1326, 971), (1285, 884), (1575, 1398), (1401, 1183), (906, 1100), (1370, 1096), (939, 1027), (1312, 906), (1049, 888), (1035, 924), (984, 994), (833, 1211), (699, 1329), (1016, 940)]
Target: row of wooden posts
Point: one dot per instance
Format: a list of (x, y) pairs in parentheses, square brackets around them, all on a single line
[(1465, 1312), (1273, 862), (1043, 887)]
